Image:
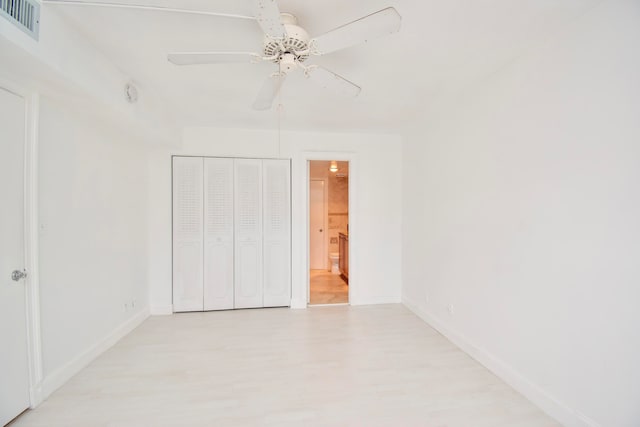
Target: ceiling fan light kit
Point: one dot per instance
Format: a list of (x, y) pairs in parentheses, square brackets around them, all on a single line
[(286, 44)]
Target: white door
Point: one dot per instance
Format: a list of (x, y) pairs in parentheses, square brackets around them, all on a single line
[(14, 368), (218, 234), (248, 233), (277, 232), (188, 234), (317, 253)]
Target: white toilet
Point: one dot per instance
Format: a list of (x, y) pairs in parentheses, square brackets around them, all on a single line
[(335, 262)]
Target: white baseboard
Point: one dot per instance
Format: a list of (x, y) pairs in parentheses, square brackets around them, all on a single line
[(301, 304), (161, 310), (298, 304), (541, 398), (35, 395), (377, 300), (60, 376)]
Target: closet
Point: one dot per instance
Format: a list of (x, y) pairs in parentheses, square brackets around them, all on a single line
[(231, 233)]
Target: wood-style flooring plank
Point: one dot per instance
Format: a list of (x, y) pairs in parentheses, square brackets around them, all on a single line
[(324, 366)]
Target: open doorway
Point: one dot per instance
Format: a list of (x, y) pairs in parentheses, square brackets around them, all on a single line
[(328, 232)]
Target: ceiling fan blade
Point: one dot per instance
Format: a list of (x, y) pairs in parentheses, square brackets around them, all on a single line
[(330, 80), (268, 17), (198, 58), (378, 24), (269, 91), (144, 7)]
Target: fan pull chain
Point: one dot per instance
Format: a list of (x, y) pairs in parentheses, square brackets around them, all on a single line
[(280, 125)]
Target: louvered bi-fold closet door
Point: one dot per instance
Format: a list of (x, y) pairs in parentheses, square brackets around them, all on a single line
[(218, 234), (276, 232), (248, 233), (187, 234)]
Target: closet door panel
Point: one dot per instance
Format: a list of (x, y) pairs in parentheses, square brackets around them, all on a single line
[(277, 274), (187, 234), (248, 233), (277, 233), (248, 292), (218, 234)]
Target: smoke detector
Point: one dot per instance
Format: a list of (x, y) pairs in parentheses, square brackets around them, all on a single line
[(131, 93)]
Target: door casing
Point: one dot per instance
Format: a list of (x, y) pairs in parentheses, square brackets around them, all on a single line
[(301, 271)]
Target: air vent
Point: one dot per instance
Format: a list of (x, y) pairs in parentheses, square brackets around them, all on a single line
[(23, 13)]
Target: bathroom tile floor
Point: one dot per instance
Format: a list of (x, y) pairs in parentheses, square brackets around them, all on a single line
[(328, 288)]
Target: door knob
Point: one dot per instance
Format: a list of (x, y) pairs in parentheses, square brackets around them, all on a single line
[(320, 230), (18, 275)]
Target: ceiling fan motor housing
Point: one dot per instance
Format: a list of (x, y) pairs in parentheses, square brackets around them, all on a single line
[(295, 41)]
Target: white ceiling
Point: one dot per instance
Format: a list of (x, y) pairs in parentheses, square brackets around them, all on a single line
[(443, 46)]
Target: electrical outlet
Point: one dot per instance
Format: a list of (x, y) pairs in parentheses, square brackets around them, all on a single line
[(133, 303), (450, 309), (126, 307)]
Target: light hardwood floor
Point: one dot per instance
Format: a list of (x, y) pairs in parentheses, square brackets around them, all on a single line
[(327, 288), (325, 366)]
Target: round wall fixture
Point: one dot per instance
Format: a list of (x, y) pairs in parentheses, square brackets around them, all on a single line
[(131, 93)]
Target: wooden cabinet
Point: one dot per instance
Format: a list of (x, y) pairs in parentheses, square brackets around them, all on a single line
[(344, 256)]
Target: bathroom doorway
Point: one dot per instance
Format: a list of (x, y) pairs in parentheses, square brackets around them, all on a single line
[(328, 232)]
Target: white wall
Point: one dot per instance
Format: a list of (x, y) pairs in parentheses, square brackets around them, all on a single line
[(63, 56), (93, 241), (92, 180), (522, 210), (377, 225)]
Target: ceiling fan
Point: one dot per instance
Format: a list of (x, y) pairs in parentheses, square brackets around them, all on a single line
[(286, 44)]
